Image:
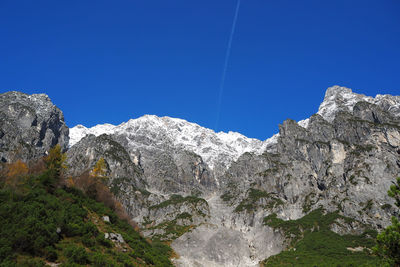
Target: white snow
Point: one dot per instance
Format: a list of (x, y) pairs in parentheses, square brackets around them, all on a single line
[(339, 98), (153, 132), (304, 123), (156, 132)]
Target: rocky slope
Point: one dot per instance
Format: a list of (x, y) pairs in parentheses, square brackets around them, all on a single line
[(342, 158), (29, 126), (209, 193)]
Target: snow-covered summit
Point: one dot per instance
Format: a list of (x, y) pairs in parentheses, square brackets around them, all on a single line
[(339, 98), (154, 132)]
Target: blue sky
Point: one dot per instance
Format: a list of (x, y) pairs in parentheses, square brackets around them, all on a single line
[(109, 61)]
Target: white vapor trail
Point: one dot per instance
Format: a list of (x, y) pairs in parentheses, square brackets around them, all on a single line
[(227, 55)]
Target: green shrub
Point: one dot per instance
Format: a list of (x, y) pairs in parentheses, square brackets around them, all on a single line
[(312, 243), (100, 260), (76, 254), (51, 254), (30, 220), (104, 242), (88, 240)]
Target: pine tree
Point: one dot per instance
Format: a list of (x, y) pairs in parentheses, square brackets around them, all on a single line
[(55, 160), (388, 241), (55, 164)]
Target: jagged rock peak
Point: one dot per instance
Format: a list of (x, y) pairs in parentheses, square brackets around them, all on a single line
[(29, 126), (40, 102), (338, 98)]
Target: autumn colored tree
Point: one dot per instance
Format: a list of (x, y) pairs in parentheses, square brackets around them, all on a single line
[(15, 173), (388, 242), (100, 169)]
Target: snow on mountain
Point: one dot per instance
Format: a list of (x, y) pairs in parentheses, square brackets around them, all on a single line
[(157, 132), (79, 131), (339, 98), (153, 132)]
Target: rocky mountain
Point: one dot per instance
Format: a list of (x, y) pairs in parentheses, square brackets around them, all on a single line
[(84, 155), (212, 195), (217, 150), (29, 126)]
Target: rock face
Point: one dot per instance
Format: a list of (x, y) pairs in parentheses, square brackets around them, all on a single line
[(208, 193), (343, 158), (29, 126), (84, 155)]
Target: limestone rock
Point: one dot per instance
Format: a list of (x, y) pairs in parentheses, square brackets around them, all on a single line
[(29, 126)]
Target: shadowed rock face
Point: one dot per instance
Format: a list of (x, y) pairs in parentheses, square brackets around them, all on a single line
[(29, 126)]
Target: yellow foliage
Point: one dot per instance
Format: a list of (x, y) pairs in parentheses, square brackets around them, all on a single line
[(17, 169), (100, 169), (15, 172), (70, 182)]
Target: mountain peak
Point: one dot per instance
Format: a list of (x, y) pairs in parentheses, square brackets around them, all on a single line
[(338, 98), (151, 131)]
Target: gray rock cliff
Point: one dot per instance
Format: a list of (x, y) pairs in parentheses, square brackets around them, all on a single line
[(29, 126)]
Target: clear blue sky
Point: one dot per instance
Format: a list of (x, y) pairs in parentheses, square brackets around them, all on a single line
[(109, 61)]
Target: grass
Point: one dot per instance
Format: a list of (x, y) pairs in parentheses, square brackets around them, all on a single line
[(312, 243)]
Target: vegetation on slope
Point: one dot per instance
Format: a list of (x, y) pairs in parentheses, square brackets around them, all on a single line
[(43, 222), (388, 242), (254, 196), (313, 243), (182, 223)]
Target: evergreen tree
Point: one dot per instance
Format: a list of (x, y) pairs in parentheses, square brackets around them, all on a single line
[(55, 164), (388, 242), (55, 160)]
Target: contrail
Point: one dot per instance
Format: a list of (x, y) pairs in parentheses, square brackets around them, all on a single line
[(227, 55)]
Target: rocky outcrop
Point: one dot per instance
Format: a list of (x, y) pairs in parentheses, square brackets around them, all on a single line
[(83, 156), (29, 126)]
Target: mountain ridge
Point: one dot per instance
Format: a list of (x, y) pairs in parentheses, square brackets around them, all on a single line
[(212, 195), (336, 99)]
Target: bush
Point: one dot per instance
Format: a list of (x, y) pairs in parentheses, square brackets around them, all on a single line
[(30, 219), (99, 260), (88, 241), (51, 254), (31, 263), (76, 254), (104, 242)]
